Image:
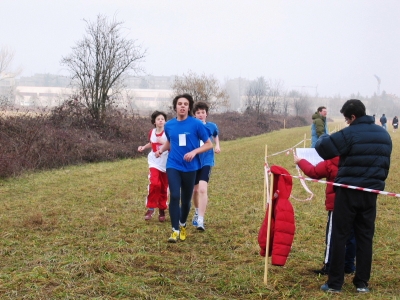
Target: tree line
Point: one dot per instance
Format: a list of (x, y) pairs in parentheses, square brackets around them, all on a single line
[(101, 61)]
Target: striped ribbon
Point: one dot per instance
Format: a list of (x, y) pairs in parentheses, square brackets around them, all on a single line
[(302, 178), (346, 186)]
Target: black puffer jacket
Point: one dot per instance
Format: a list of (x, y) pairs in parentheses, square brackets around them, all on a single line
[(364, 149)]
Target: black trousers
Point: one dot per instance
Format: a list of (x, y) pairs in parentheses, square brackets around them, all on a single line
[(350, 253), (353, 209)]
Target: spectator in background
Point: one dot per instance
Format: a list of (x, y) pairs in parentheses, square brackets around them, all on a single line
[(383, 121), (395, 123), (319, 125)]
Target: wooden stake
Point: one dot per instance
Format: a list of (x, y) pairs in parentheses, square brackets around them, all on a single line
[(271, 188)]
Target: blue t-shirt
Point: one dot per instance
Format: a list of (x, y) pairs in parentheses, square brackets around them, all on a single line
[(184, 136), (207, 158)]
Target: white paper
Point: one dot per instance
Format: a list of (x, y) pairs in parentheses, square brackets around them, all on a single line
[(309, 154)]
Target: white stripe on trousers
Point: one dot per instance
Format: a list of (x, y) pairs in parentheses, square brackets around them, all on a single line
[(328, 236)]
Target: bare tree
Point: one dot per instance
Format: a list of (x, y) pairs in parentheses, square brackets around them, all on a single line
[(99, 61), (202, 88), (6, 58), (256, 95), (285, 103), (7, 88), (274, 93)]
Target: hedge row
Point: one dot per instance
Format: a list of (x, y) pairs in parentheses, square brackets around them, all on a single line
[(68, 135)]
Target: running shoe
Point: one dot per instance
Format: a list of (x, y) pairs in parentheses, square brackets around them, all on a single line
[(325, 287), (200, 226), (182, 233), (174, 237), (149, 214), (194, 220), (161, 215)]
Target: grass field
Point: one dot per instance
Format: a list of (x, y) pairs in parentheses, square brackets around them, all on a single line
[(79, 233)]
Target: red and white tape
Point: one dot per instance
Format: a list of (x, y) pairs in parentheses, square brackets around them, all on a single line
[(347, 186), (287, 151)]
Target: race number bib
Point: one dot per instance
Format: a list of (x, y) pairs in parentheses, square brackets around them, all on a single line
[(182, 139)]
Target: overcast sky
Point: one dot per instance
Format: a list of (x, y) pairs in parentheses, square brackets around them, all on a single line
[(332, 46)]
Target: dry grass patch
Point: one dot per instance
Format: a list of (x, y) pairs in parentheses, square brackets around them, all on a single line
[(79, 233)]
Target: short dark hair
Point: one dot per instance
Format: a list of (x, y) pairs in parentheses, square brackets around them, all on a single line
[(157, 113), (353, 107), (200, 105), (186, 96), (319, 109)]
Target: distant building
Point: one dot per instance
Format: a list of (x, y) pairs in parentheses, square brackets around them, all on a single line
[(150, 82), (41, 96), (133, 82), (132, 99), (142, 93), (145, 100), (48, 80)]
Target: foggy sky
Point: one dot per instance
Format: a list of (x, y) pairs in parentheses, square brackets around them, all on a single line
[(332, 47)]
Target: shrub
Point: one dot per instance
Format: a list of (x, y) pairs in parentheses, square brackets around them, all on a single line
[(68, 135)]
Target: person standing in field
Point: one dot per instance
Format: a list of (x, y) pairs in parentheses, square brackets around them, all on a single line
[(319, 125), (200, 193), (364, 150), (383, 121), (328, 169), (184, 134), (158, 180), (395, 123)]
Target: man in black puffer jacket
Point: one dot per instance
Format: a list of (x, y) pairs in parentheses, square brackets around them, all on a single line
[(364, 149)]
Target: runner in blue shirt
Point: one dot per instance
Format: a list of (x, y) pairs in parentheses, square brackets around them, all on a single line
[(200, 196), (184, 134)]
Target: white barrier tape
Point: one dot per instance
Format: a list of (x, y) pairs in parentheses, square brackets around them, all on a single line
[(347, 186), (303, 183), (267, 171), (286, 150)]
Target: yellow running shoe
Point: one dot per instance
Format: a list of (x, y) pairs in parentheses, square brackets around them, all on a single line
[(182, 233), (174, 237)]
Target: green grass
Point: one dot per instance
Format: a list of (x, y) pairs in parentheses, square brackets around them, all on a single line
[(79, 233)]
